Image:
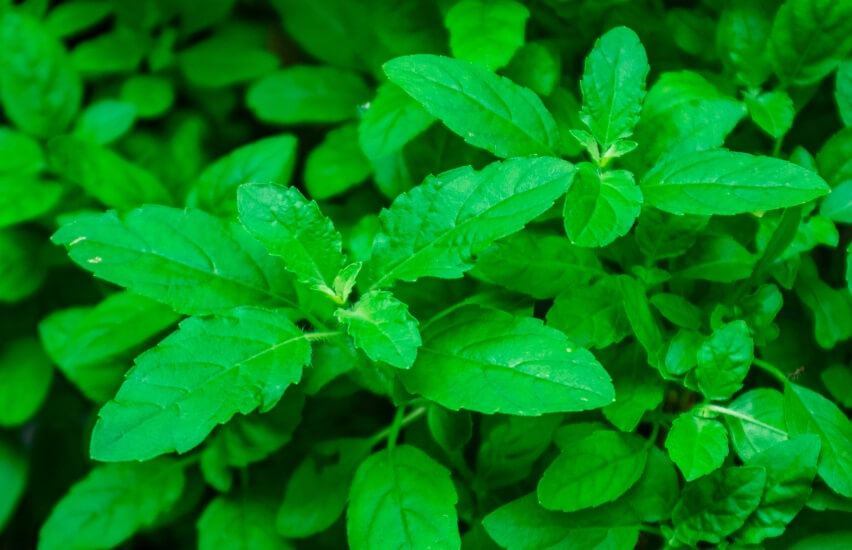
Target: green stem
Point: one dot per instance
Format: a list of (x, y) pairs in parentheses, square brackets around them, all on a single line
[(396, 426), (322, 335), (776, 147), (189, 460), (771, 369), (730, 412), (650, 529), (405, 421)]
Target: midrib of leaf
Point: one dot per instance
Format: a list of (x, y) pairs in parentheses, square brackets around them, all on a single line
[(614, 94), (377, 324)]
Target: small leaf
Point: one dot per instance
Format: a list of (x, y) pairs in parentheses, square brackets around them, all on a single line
[(697, 445), (486, 32), (231, 523), (772, 111), (724, 360)]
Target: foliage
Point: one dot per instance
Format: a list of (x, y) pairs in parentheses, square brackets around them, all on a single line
[(522, 274)]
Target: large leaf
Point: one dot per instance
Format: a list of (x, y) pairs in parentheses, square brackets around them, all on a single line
[(402, 498), (613, 85), (187, 259), (725, 182), (435, 229), (490, 361), (111, 503), (198, 377), (487, 110)]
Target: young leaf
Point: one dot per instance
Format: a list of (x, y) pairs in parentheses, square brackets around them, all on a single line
[(486, 32), (790, 470), (268, 160), (600, 206), (488, 111), (717, 505), (597, 469), (490, 361), (401, 497), (436, 228), (724, 182), (808, 412), (25, 376), (613, 85), (772, 111), (232, 523), (391, 120), (382, 326), (302, 93), (198, 377), (697, 445), (293, 228), (110, 504), (187, 259), (92, 346), (724, 360)]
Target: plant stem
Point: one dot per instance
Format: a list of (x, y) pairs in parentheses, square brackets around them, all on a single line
[(405, 421), (322, 335), (771, 369), (395, 427), (189, 460), (730, 412), (650, 529)]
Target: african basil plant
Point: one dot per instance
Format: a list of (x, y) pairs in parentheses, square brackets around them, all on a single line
[(415, 274)]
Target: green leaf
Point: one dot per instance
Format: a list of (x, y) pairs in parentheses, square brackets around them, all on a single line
[(435, 229), (490, 361), (451, 430), (836, 379), (718, 258), (660, 235), (14, 471), (486, 110), (537, 66), (511, 446), (760, 422), (772, 111), (741, 37), (843, 92), (302, 93), (235, 523), (835, 157), (697, 445), (291, 227), (600, 206), (104, 174), (25, 376), (19, 153), (638, 389), (25, 197), (39, 88), (187, 259), (391, 120), (536, 263), (486, 32), (318, 490), (790, 470), (72, 17), (837, 540), (682, 352), (597, 469), (92, 346), (111, 503), (105, 121), (120, 50), (151, 95), (337, 164), (222, 60), (808, 412), (402, 498), (21, 274), (180, 390), (382, 326), (613, 85), (267, 160), (724, 360), (642, 320), (837, 206), (724, 182), (809, 38), (718, 504), (831, 308), (677, 309)]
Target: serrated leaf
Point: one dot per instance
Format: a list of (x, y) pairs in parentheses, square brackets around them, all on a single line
[(808, 412), (613, 85), (486, 32), (111, 503), (401, 497), (697, 445), (725, 182), (293, 228), (597, 469), (382, 326), (486, 110), (638, 389), (436, 228), (198, 377), (600, 206), (490, 361), (187, 259)]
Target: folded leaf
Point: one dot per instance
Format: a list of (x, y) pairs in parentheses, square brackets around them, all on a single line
[(486, 110), (490, 361), (402, 498), (198, 377), (187, 259), (436, 228), (725, 182)]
